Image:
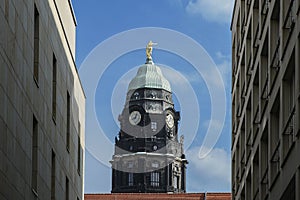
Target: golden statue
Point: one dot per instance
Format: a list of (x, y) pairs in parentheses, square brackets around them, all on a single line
[(149, 49)]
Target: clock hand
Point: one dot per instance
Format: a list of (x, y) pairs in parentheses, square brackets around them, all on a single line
[(134, 117)]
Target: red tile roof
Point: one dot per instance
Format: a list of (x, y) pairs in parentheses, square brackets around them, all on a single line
[(158, 196)]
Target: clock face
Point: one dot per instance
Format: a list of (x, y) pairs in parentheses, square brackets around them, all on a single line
[(135, 117), (170, 120)]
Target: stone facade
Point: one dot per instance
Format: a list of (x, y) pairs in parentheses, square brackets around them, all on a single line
[(266, 99), (42, 103)]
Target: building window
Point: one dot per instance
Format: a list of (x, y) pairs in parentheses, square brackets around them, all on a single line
[(78, 155), (233, 174), (248, 130), (53, 176), (130, 165), (274, 46), (275, 123), (255, 178), (275, 139), (176, 182), (68, 120), (154, 126), (136, 95), (151, 94), (155, 164), (34, 161), (289, 88), (130, 179), (154, 179), (242, 141), (264, 75), (264, 160), (67, 188), (248, 187), (54, 76), (288, 114), (36, 45), (298, 132)]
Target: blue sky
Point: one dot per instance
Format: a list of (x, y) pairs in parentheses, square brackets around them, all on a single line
[(207, 22)]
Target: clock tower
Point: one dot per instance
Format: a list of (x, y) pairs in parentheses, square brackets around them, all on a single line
[(149, 156)]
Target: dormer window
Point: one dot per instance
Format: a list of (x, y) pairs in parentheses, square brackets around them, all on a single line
[(155, 164), (136, 95), (153, 95)]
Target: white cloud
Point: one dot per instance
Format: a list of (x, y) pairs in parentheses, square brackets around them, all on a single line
[(211, 137), (220, 55), (212, 10), (211, 173), (214, 77)]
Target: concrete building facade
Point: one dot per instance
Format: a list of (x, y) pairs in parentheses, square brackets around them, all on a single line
[(42, 103), (266, 99)]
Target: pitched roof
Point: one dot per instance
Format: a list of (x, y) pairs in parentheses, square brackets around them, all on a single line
[(159, 196)]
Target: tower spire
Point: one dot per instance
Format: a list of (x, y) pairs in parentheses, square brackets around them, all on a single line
[(148, 156)]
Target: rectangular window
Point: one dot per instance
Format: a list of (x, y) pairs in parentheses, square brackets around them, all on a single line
[(255, 177), (274, 139), (233, 175), (68, 120), (264, 75), (36, 45), (289, 89), (264, 161), (298, 131), (248, 187), (34, 161), (237, 163), (255, 102), (53, 176), (67, 188), (176, 182), (54, 76), (242, 141), (154, 179), (154, 126), (288, 114), (130, 179), (6, 14), (275, 44), (248, 130), (78, 155)]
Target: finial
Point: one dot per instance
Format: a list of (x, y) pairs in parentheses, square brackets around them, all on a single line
[(149, 49)]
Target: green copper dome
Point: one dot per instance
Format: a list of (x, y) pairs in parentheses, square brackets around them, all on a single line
[(149, 75)]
